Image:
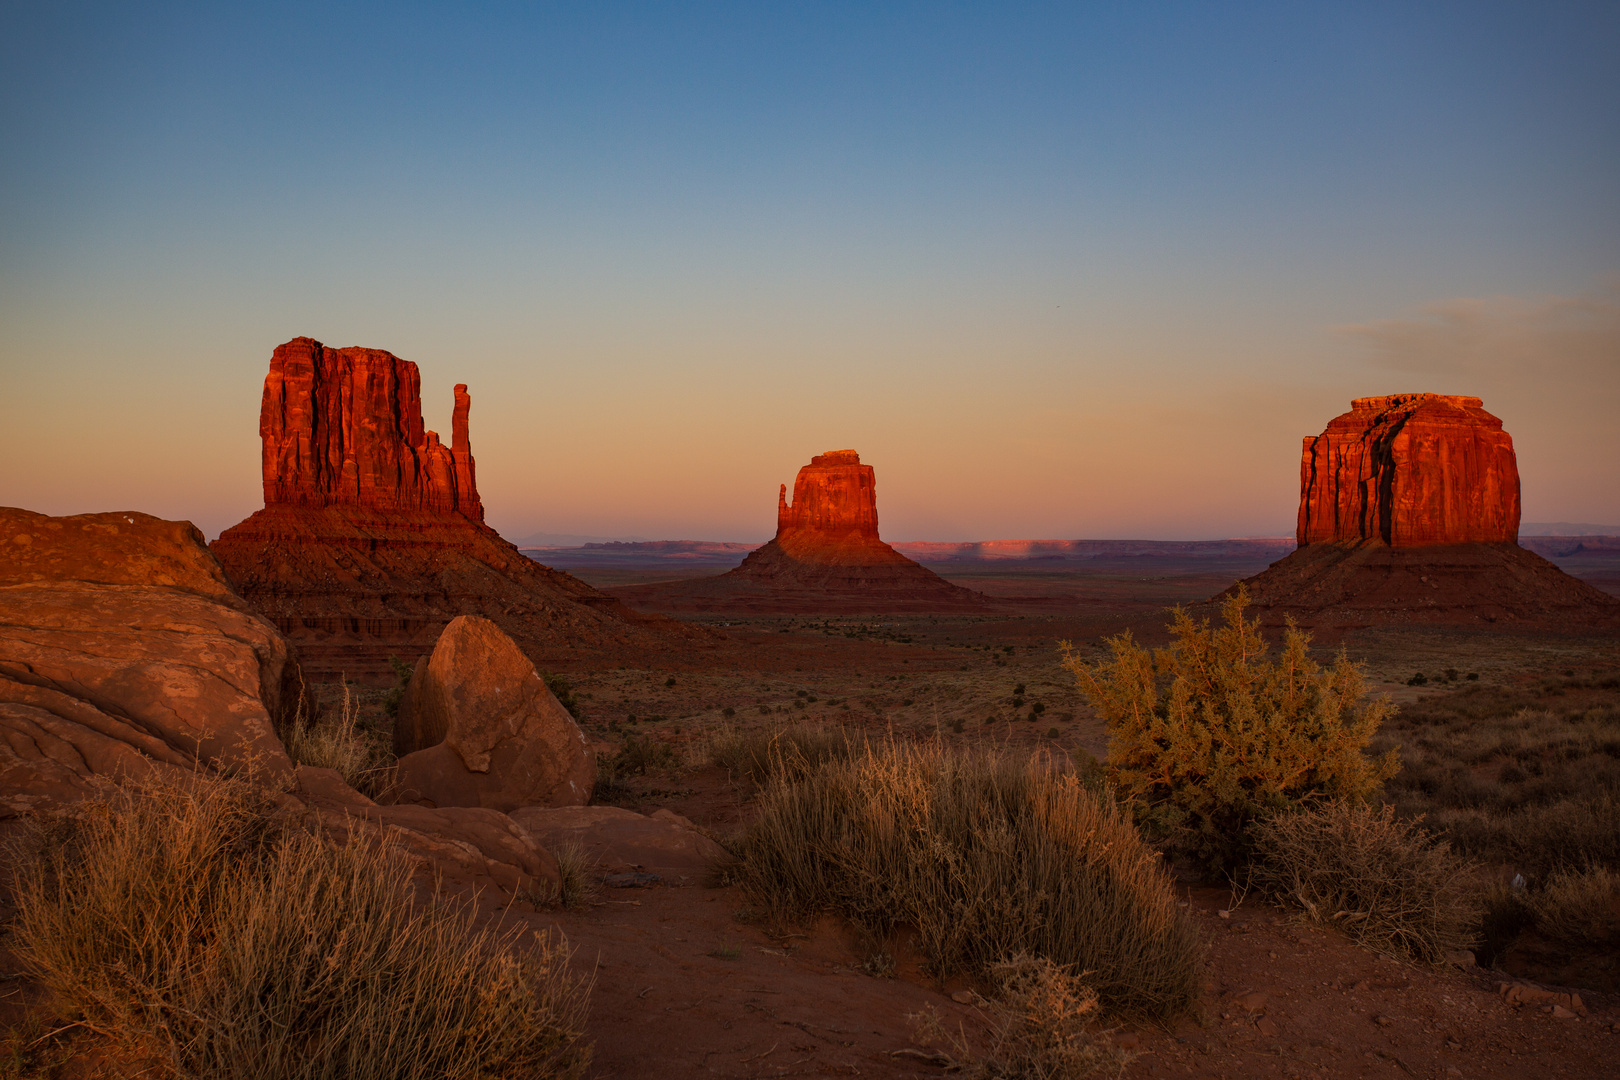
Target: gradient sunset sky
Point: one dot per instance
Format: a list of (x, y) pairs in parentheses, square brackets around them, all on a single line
[(1066, 270)]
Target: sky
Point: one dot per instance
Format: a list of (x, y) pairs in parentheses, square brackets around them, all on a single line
[(1055, 270)]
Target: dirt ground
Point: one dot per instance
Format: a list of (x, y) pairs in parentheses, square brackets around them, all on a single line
[(689, 982)]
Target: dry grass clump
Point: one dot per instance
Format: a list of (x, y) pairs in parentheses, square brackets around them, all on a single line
[(985, 856), (212, 939), (1209, 734), (576, 885), (796, 749), (1389, 884), (1042, 1026), (339, 741), (1579, 909), (1537, 840)]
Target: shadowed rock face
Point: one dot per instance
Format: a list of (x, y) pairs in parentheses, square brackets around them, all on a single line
[(1410, 470), (372, 536), (343, 427)]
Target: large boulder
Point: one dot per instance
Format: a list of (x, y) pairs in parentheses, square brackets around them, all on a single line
[(123, 650), (478, 727)]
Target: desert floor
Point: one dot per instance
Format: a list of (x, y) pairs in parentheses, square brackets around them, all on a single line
[(690, 982)]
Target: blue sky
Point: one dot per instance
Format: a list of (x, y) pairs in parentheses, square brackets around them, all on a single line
[(1056, 270)]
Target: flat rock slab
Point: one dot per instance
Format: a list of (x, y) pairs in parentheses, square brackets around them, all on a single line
[(619, 840)]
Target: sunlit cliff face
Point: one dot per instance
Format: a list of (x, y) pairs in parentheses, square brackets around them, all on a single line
[(833, 517), (1410, 470)]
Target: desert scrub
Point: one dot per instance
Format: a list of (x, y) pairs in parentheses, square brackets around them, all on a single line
[(1208, 735), (985, 855), (756, 752), (1041, 1026), (211, 938), (1538, 840), (1579, 909), (339, 741), (1388, 884)]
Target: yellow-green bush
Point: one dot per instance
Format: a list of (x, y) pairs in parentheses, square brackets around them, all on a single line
[(1209, 734), (211, 938)]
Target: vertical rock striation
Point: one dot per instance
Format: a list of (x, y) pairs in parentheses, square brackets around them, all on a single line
[(343, 427), (1410, 470)]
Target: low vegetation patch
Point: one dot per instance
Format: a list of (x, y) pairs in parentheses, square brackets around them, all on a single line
[(1579, 909), (212, 938), (796, 750), (1209, 734), (1389, 884), (985, 855), (1042, 1026), (1527, 775), (337, 737)]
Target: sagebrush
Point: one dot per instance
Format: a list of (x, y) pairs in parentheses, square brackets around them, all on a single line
[(212, 938), (1041, 1025), (1209, 734), (1389, 884), (986, 855)]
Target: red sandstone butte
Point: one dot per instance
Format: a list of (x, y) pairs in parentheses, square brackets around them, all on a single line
[(343, 427), (1409, 515), (372, 536), (1410, 470), (826, 557)]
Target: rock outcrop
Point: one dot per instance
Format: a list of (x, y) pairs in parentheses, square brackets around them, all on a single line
[(1409, 515), (343, 427), (1410, 470), (372, 536), (615, 840), (123, 651), (479, 727), (826, 557)]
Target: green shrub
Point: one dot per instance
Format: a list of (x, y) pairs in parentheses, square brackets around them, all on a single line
[(402, 680), (1208, 734), (212, 939), (1388, 884), (985, 856), (563, 691)]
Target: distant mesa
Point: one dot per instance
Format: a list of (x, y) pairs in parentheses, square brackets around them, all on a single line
[(826, 557), (372, 536), (1409, 515)]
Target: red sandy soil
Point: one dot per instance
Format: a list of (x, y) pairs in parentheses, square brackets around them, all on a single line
[(688, 984)]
